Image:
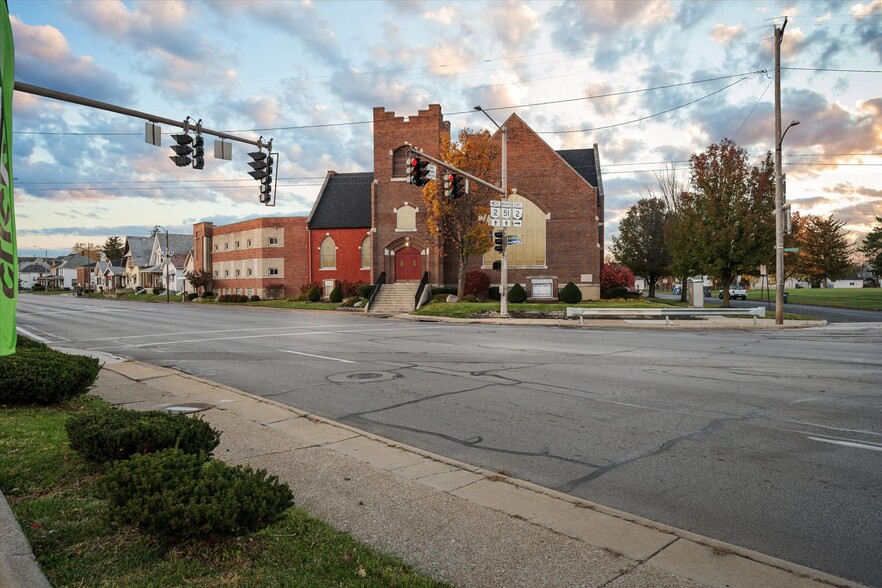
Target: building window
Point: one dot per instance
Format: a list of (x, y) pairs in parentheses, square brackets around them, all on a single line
[(216, 273), (366, 253), (328, 254), (399, 162), (273, 271), (237, 273), (248, 243), (237, 244), (216, 246), (248, 272), (226, 273), (406, 218), (273, 240)]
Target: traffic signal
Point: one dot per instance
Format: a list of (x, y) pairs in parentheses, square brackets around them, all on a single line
[(258, 164), (417, 170), (499, 241), (183, 150), (199, 152), (452, 186), (266, 183)]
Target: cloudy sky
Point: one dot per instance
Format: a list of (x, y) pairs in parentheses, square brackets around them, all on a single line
[(648, 81)]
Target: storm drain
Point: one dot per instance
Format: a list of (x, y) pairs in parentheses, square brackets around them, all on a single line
[(362, 377), (186, 408)]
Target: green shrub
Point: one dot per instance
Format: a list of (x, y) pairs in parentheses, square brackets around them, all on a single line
[(493, 293), (470, 298), (40, 375), (178, 494), (439, 298), (305, 288), (348, 288), (336, 295), (517, 294), (254, 298), (364, 290), (158, 291), (208, 295), (38, 288), (240, 298), (615, 292), (570, 294), (314, 294), (25, 343), (192, 296), (109, 435)]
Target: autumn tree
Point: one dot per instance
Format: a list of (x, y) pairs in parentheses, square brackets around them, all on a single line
[(459, 224), (113, 248), (827, 252), (872, 249), (199, 280), (89, 250), (678, 238), (731, 212), (641, 242)]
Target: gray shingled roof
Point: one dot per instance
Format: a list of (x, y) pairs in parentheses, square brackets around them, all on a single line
[(344, 202), (178, 243), (581, 160), (140, 249)]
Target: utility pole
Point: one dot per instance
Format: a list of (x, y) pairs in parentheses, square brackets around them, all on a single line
[(779, 184)]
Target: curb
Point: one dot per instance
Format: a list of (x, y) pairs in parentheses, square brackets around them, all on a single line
[(18, 566)]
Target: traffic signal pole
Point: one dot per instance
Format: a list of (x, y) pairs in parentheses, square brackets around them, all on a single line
[(74, 99)]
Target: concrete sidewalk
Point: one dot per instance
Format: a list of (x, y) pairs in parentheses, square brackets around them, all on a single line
[(454, 522)]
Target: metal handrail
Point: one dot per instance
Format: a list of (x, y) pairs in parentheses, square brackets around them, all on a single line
[(381, 279), (419, 292)]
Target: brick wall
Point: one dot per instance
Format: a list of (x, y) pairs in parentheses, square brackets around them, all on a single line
[(348, 242), (230, 251), (391, 132)]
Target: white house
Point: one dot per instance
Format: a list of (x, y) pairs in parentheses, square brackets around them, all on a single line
[(848, 282), (168, 257)]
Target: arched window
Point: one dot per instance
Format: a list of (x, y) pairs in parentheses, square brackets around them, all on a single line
[(531, 250), (399, 162), (366, 253), (406, 216), (328, 254)]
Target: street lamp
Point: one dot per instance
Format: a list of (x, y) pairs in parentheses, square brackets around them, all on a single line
[(779, 222), (156, 229), (503, 285)]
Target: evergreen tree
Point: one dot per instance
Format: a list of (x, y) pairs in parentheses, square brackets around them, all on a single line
[(872, 249), (113, 248), (827, 251)]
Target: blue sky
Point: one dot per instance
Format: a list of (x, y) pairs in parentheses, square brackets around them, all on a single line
[(308, 74)]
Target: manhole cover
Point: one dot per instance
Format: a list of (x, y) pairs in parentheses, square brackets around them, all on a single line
[(186, 408), (350, 377)]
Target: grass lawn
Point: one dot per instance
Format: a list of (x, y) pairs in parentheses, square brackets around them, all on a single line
[(856, 298), (52, 492)]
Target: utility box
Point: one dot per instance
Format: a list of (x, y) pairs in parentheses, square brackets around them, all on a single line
[(695, 293)]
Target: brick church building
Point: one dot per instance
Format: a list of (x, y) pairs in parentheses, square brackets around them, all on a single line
[(364, 224)]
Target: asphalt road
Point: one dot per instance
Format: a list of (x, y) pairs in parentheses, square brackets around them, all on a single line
[(771, 440)]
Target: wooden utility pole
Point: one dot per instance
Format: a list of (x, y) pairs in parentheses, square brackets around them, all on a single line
[(779, 188)]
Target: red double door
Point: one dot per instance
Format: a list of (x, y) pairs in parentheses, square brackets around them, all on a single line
[(408, 265)]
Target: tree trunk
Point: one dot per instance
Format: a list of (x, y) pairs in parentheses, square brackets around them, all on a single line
[(460, 280), (684, 283), (726, 280)]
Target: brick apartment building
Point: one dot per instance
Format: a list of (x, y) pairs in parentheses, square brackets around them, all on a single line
[(251, 256), (366, 223)]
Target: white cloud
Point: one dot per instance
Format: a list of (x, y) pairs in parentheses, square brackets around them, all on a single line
[(723, 34)]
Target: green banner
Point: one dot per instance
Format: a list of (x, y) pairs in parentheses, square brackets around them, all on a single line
[(8, 253)]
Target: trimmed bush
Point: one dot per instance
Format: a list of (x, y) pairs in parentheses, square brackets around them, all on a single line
[(192, 296), (158, 291), (477, 283), (305, 288), (314, 294), (470, 298), (570, 294), (182, 495), (241, 298), (493, 293), (439, 298), (40, 375), (254, 298), (336, 295), (615, 292), (365, 290), (38, 288), (517, 294), (348, 288), (110, 435)]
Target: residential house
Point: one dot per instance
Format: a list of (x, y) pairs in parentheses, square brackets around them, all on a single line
[(136, 261), (66, 272), (167, 258), (266, 257), (340, 230), (31, 271), (848, 282), (113, 276)]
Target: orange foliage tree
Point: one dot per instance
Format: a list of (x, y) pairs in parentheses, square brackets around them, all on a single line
[(460, 225)]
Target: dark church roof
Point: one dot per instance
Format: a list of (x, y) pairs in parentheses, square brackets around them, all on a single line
[(344, 202), (581, 160)]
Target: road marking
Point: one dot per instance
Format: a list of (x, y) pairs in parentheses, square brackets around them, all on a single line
[(848, 444), (318, 356)]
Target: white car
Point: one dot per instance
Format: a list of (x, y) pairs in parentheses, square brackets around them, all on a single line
[(735, 292)]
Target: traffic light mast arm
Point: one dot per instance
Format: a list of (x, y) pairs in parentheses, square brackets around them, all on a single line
[(456, 170), (64, 97)]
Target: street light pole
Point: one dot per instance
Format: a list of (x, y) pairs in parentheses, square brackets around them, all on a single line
[(503, 280), (779, 184)]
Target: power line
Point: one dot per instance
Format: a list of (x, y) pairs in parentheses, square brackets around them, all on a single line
[(834, 70)]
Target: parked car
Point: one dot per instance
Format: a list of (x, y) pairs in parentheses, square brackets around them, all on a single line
[(735, 292), (677, 289)]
